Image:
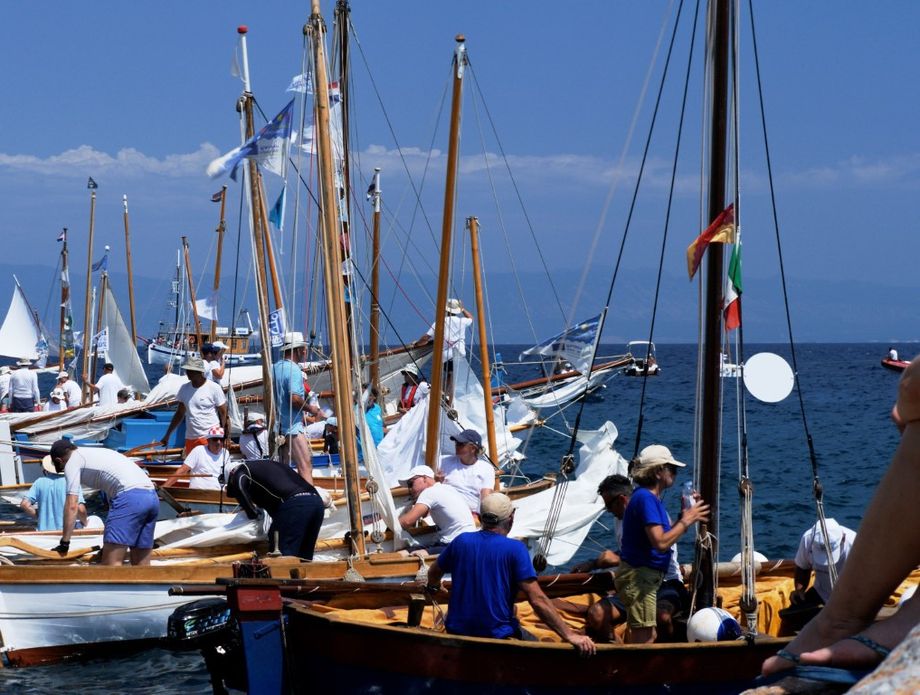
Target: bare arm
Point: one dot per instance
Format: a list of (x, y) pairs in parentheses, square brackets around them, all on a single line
[(411, 517), (435, 574), (81, 514), (606, 559), (662, 540), (549, 615), (27, 507), (174, 478), (174, 423), (223, 419), (70, 516)]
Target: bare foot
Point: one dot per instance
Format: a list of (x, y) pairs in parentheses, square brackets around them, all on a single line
[(821, 632)]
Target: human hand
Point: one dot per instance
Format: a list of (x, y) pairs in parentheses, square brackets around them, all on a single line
[(698, 512), (582, 567), (584, 644), (439, 476)]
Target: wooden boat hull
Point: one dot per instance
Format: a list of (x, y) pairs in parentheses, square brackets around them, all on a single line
[(895, 365)]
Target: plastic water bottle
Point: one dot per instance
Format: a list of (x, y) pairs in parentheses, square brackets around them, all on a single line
[(687, 495)]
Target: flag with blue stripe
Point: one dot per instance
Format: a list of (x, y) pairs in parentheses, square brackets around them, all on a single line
[(268, 147)]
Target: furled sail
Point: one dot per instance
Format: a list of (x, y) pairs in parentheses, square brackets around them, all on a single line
[(20, 336), (121, 350)]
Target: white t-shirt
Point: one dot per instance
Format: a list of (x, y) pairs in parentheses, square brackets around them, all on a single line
[(804, 558), (448, 510), (201, 406), (109, 385), (103, 469), (51, 407), (24, 384), (250, 449), (454, 335), (210, 367), (72, 393), (202, 462), (469, 481)]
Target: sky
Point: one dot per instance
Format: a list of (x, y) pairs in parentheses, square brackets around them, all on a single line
[(140, 97)]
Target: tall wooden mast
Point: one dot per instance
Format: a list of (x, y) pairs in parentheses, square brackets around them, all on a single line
[(65, 302), (221, 227), (124, 200), (711, 398), (87, 328), (375, 284), (432, 435), (473, 224), (335, 297), (103, 284), (191, 291), (342, 12)]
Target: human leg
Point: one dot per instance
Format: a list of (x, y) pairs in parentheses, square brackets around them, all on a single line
[(602, 616), (302, 456), (638, 588), (113, 554), (887, 543), (130, 524)]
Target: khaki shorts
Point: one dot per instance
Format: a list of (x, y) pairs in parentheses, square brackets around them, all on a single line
[(637, 587)]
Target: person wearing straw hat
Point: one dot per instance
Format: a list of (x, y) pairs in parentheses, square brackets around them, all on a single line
[(133, 502), (24, 394), (55, 401), (72, 393), (413, 389), (488, 569), (46, 498), (206, 465), (201, 402), (647, 539), (291, 401), (456, 323)]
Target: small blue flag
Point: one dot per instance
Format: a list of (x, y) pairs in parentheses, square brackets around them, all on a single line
[(276, 216), (102, 264), (92, 185)]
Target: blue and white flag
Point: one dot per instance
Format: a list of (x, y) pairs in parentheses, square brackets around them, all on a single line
[(277, 327), (268, 147), (102, 264), (301, 84), (276, 215), (575, 345)]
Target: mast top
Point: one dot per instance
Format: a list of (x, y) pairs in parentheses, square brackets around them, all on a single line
[(459, 38), (242, 29)]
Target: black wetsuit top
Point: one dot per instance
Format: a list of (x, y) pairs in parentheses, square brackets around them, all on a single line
[(266, 484)]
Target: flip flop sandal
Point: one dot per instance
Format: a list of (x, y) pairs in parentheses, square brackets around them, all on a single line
[(789, 656), (879, 649)]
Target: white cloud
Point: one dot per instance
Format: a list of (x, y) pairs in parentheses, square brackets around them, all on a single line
[(126, 162)]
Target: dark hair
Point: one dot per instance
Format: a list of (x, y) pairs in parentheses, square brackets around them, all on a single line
[(124, 393), (108, 365), (615, 485)]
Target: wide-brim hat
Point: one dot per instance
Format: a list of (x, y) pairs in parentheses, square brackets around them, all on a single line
[(62, 375), (652, 456), (332, 421), (57, 393), (410, 369), (193, 364), (24, 362), (48, 465), (454, 307), (219, 345), (292, 341), (417, 471), (818, 549)]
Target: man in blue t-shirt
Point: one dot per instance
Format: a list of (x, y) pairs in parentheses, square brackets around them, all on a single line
[(45, 499), (487, 570), (290, 397)]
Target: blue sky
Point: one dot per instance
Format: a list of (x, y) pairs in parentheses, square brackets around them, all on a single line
[(140, 97)]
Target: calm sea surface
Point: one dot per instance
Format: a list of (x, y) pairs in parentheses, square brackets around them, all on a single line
[(847, 399)]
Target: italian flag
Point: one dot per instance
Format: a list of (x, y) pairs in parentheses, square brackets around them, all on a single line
[(733, 290)]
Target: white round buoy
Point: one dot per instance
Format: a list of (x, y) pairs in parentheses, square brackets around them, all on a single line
[(910, 591), (712, 625), (768, 377), (758, 557)]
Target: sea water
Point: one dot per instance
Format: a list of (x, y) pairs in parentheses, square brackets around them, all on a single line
[(846, 400)]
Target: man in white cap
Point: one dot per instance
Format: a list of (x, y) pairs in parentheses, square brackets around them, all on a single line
[(456, 323), (254, 439), (201, 402), (212, 354), (488, 569), (813, 555), (46, 498), (446, 506), (291, 401), (55, 401), (206, 466), (413, 389), (72, 394), (24, 394)]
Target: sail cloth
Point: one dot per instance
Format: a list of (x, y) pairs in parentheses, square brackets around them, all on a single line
[(575, 345), (722, 230), (268, 147), (121, 350), (582, 505), (20, 337)]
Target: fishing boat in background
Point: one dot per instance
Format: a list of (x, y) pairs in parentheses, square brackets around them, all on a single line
[(642, 359)]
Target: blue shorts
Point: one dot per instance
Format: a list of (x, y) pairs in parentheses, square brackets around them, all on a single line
[(132, 518)]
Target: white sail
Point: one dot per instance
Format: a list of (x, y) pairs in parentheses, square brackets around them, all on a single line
[(121, 350), (19, 335)]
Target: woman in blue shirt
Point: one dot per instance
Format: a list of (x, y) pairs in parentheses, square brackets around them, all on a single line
[(647, 539)]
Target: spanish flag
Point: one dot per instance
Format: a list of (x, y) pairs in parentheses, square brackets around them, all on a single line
[(722, 230)]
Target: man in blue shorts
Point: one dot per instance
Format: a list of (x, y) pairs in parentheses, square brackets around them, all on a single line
[(673, 597), (133, 502), (487, 570)]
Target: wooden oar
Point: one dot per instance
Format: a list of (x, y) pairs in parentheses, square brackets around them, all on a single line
[(167, 497), (19, 544)]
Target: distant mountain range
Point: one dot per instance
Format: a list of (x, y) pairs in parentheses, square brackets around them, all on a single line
[(839, 311)]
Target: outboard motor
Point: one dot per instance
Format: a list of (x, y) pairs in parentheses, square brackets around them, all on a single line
[(208, 626)]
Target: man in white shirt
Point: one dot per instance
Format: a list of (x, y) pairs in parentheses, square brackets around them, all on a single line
[(72, 393), (208, 464), (201, 402), (55, 402), (108, 386), (24, 394), (254, 440), (813, 555), (456, 323), (466, 472), (446, 506), (213, 358), (133, 502)]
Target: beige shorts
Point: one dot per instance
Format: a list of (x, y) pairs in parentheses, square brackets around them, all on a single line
[(637, 588)]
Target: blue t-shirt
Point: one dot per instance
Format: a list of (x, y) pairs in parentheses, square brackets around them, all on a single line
[(48, 493), (288, 382), (374, 418), (486, 568), (644, 509)]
